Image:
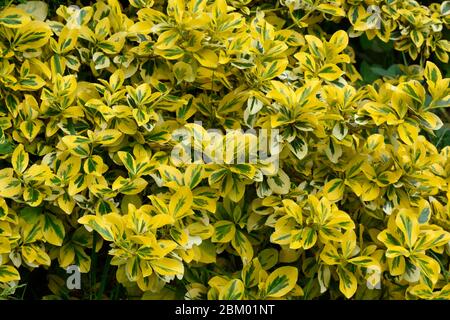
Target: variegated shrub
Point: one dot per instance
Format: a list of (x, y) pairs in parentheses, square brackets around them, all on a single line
[(96, 99)]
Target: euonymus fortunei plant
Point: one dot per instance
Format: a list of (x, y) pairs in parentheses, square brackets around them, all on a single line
[(115, 126)]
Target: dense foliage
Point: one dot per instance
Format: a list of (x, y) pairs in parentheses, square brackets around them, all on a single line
[(108, 163)]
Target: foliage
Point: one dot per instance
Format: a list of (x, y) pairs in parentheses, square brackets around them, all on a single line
[(93, 100)]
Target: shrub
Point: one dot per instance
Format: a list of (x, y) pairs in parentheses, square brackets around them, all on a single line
[(126, 133)]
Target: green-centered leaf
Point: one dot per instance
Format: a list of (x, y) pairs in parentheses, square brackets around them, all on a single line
[(8, 273), (53, 229), (233, 290), (347, 282), (224, 231)]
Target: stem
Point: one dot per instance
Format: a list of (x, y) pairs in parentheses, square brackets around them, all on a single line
[(115, 292), (404, 58), (104, 277), (308, 288), (93, 266), (295, 20), (23, 292)]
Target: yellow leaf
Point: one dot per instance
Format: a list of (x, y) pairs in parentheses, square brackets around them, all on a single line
[(293, 210), (233, 290), (66, 203), (94, 165), (330, 255), (224, 231), (397, 265), (67, 40), (243, 246), (339, 40), (98, 224), (170, 176), (167, 39), (334, 189), (19, 159), (347, 282), (315, 46), (14, 18), (66, 255), (129, 185), (432, 72), (160, 220), (330, 72), (37, 9), (407, 222), (274, 69), (77, 184), (69, 168), (331, 10), (107, 137), (53, 229), (428, 266), (183, 71), (175, 8), (77, 145), (32, 196), (37, 173), (33, 35), (8, 273), (9, 186), (370, 191), (281, 281), (181, 202), (31, 128), (168, 267), (207, 58), (305, 238)]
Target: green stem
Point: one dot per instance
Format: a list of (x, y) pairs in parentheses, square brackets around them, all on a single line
[(295, 20), (308, 288), (93, 272), (104, 277), (23, 292), (115, 292), (404, 58)]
